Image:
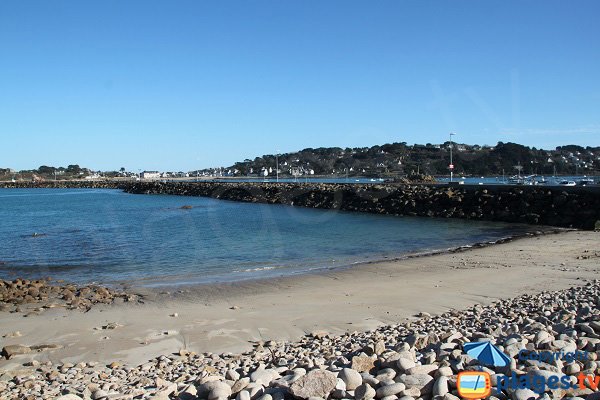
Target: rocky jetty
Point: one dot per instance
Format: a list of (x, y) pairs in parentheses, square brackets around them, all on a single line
[(416, 360), (35, 296), (96, 184), (555, 206), (570, 207)]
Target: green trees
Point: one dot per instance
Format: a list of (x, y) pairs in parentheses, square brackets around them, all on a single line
[(73, 169), (46, 170), (401, 158)]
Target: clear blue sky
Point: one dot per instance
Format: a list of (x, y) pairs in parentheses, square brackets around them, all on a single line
[(179, 85)]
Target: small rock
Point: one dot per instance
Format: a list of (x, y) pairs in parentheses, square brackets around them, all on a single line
[(390, 390), (421, 381), (243, 395), (232, 374), (363, 363), (214, 390), (264, 376), (573, 369), (440, 386), (379, 347), (240, 384), (364, 392), (524, 394), (99, 394), (404, 364), (422, 369), (319, 334)]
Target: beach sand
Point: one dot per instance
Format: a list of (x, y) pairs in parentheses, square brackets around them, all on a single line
[(229, 317)]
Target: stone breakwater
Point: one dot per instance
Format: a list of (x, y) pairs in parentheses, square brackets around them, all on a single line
[(414, 360), (572, 207), (107, 184)]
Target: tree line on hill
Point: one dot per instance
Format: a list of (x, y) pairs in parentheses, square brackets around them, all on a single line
[(388, 160), (398, 159)]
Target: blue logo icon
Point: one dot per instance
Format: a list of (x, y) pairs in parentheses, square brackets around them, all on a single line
[(487, 354)]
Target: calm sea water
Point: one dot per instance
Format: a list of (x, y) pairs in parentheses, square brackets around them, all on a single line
[(109, 237)]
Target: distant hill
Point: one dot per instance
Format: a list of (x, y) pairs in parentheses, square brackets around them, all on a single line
[(397, 159), (45, 172), (388, 160)]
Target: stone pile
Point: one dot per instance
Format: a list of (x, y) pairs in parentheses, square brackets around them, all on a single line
[(409, 361), (577, 207), (23, 295), (66, 184)]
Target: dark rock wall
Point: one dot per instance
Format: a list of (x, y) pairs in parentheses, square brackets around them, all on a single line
[(66, 185), (564, 207)]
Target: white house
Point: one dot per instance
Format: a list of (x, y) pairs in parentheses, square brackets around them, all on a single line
[(150, 175)]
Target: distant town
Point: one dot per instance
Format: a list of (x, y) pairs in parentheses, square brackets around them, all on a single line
[(385, 161)]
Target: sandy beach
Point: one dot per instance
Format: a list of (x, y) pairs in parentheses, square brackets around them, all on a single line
[(230, 318)]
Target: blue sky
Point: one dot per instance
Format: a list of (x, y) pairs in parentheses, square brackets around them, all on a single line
[(179, 85)]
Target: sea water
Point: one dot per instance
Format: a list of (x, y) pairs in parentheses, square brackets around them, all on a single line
[(107, 236)]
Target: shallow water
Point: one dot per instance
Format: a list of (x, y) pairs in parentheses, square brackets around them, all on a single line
[(108, 236)]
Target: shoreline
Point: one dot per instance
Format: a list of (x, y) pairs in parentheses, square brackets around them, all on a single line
[(540, 231), (232, 317), (532, 231)]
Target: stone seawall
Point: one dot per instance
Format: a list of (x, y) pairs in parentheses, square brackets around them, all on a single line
[(556, 206), (66, 185), (563, 207)]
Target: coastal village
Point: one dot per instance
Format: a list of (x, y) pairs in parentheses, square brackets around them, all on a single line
[(385, 161)]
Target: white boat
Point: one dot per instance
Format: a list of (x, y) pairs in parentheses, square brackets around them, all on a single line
[(515, 180), (567, 183)]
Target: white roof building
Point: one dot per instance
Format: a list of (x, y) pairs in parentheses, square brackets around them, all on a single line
[(150, 175)]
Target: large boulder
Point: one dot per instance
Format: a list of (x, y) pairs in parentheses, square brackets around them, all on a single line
[(264, 376), (351, 377), (214, 390), (423, 382), (14, 350), (363, 363), (316, 383)]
